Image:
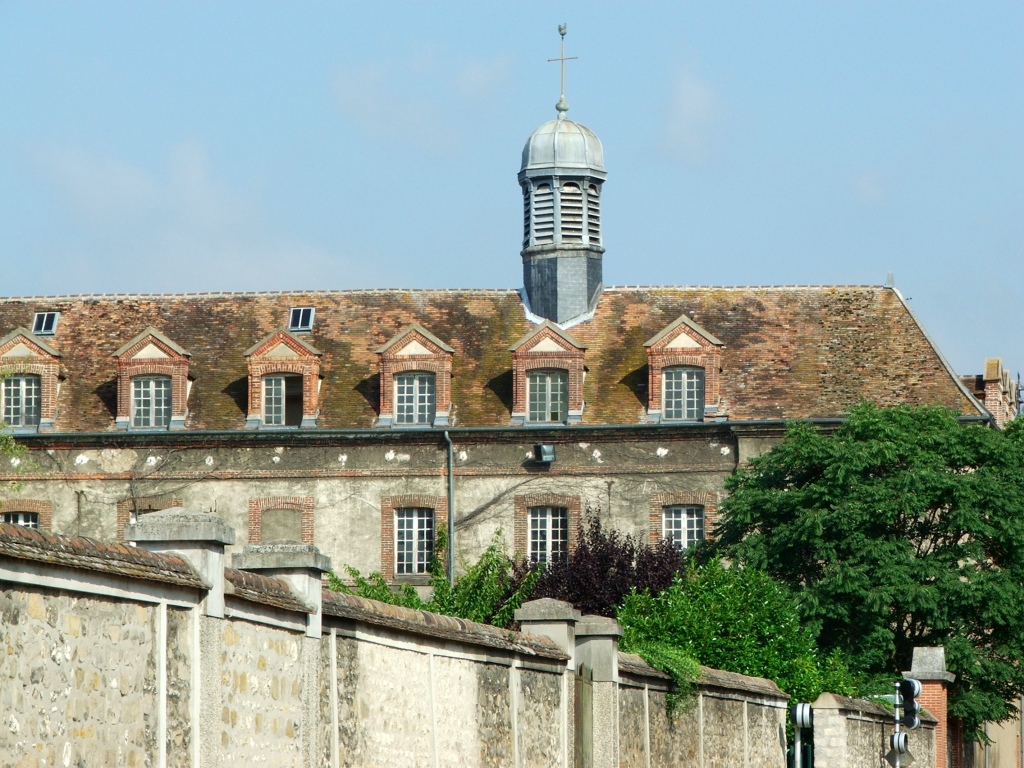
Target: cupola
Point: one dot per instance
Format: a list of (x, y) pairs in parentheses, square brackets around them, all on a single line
[(561, 177)]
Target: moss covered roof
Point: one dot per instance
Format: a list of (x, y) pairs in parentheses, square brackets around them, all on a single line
[(789, 352)]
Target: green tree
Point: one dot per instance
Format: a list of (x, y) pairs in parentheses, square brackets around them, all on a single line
[(733, 619), (903, 528)]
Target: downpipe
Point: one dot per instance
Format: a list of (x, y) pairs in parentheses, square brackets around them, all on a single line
[(451, 510)]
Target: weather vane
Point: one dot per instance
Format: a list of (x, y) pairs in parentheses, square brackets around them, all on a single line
[(562, 106)]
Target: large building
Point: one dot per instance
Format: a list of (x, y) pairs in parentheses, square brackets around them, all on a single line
[(362, 419)]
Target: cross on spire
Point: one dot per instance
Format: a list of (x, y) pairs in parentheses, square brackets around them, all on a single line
[(562, 106)]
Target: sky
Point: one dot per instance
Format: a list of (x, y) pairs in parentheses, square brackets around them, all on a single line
[(230, 146)]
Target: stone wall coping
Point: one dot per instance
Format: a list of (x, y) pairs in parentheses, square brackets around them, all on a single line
[(117, 559), (180, 524), (347, 606), (278, 556), (547, 609), (862, 707), (717, 678), (265, 590), (598, 626), (633, 664)]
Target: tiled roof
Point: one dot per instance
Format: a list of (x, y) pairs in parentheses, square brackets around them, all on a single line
[(790, 352), (255, 588), (23, 543), (435, 625)]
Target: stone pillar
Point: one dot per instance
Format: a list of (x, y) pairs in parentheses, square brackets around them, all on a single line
[(197, 537), (301, 565), (553, 619), (597, 647), (929, 666), (830, 736)]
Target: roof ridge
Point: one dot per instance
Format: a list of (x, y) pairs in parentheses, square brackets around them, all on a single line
[(228, 294)]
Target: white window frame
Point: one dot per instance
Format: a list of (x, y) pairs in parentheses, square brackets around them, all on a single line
[(682, 393), (683, 525), (25, 519), (275, 398), (546, 390), (414, 540), (548, 539), (301, 319), (45, 323), (21, 401), (152, 402), (415, 398)]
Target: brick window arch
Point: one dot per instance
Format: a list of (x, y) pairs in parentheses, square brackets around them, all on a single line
[(532, 503), (303, 505), (18, 510), (660, 502)]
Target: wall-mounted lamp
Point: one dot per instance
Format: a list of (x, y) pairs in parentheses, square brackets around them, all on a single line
[(544, 454)]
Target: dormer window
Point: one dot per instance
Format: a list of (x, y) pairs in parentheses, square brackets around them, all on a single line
[(684, 363), (301, 319), (22, 397), (547, 377), (415, 379), (548, 397), (151, 402), (414, 398), (45, 323), (152, 383), (682, 394), (29, 382), (284, 382)]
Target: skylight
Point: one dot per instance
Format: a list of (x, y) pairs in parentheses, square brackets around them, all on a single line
[(45, 323), (301, 319)]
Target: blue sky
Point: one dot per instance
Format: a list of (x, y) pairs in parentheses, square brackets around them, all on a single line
[(174, 147)]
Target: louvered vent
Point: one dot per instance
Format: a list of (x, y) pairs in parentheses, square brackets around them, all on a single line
[(594, 214), (526, 216), (543, 215), (571, 209)]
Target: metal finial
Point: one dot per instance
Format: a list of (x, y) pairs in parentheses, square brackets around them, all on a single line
[(562, 106)]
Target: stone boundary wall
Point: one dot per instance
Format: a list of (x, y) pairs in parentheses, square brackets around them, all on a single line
[(854, 733), (158, 654)]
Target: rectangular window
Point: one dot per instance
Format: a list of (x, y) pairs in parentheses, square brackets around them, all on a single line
[(45, 323), (282, 400), (683, 526), (414, 398), (22, 396), (26, 519), (683, 394), (548, 396), (549, 534), (151, 402), (301, 319), (414, 540)]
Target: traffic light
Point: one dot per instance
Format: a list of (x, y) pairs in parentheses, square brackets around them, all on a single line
[(910, 689)]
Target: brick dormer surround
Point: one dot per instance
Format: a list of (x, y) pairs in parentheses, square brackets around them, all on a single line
[(685, 343), (547, 347), (152, 354), (23, 353), (285, 353), (415, 349)]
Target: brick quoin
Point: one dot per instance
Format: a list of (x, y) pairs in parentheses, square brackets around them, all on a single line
[(388, 505)]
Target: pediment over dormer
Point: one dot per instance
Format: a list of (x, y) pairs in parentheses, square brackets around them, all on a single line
[(546, 338), (414, 340), (683, 334), (22, 343), (282, 344), (151, 344)]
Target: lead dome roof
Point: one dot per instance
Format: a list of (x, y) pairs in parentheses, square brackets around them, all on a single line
[(563, 145)]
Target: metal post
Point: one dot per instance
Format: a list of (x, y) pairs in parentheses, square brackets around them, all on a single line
[(451, 510)]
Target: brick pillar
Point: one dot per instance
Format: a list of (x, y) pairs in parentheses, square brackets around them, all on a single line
[(929, 666)]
